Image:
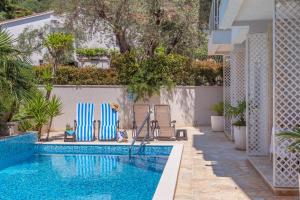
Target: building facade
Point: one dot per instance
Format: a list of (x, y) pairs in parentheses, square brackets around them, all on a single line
[(260, 42), (93, 39)]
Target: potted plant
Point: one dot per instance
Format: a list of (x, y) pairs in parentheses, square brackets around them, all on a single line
[(217, 121), (8, 108), (239, 126), (295, 146)]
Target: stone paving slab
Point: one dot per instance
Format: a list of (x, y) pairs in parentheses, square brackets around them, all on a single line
[(212, 169)]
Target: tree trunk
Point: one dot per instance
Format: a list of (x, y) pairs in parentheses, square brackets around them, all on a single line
[(40, 132), (54, 68), (48, 94), (9, 115), (151, 49), (49, 128), (121, 41)]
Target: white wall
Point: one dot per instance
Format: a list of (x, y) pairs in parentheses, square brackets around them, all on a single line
[(16, 27), (188, 104), (94, 38)]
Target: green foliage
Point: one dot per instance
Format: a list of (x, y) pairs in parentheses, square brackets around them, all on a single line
[(35, 5), (218, 108), (10, 9), (143, 25), (16, 79), (201, 53), (206, 72), (30, 41), (91, 52), (59, 42), (130, 69), (36, 111), (70, 75), (68, 127), (126, 66), (238, 112), (59, 46), (54, 109), (295, 136), (155, 73)]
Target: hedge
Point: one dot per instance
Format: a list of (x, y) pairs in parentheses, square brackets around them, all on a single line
[(70, 75), (196, 73), (91, 52)]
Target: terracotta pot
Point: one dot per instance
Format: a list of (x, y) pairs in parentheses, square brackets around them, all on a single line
[(217, 123), (239, 133)]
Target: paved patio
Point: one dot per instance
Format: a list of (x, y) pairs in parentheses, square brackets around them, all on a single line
[(212, 169)]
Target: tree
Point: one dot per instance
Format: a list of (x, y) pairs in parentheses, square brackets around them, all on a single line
[(138, 25), (58, 45), (54, 109)]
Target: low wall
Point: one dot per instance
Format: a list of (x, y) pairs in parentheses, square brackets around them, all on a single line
[(190, 105), (16, 148)]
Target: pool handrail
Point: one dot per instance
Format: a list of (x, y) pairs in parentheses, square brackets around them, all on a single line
[(147, 119)]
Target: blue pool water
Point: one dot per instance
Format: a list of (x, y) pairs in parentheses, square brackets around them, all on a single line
[(102, 177), (30, 171)]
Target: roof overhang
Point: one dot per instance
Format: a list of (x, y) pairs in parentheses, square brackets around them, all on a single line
[(244, 10), (219, 42)]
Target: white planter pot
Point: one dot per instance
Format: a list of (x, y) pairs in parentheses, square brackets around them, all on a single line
[(217, 123), (239, 137)]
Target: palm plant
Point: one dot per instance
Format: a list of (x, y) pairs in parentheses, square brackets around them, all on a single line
[(48, 82), (36, 109), (218, 108), (294, 135), (58, 45), (54, 109), (15, 76), (238, 112)]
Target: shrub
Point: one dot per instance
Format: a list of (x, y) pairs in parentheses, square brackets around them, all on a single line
[(126, 65), (156, 72), (141, 75), (91, 52), (69, 75), (207, 72)]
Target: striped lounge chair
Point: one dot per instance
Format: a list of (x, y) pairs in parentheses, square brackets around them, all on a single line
[(85, 123), (108, 124)]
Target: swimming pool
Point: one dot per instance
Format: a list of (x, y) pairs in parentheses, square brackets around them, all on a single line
[(104, 172)]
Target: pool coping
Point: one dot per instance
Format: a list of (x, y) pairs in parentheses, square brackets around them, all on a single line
[(168, 181), (167, 184)]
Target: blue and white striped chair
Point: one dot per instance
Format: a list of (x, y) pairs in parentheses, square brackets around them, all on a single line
[(85, 123), (109, 123)]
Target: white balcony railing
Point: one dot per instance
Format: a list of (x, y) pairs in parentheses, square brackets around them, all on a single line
[(214, 15)]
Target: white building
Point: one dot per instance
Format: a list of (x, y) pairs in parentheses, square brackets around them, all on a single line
[(98, 39), (260, 42)]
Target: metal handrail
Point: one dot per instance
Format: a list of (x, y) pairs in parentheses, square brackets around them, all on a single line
[(139, 131)]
